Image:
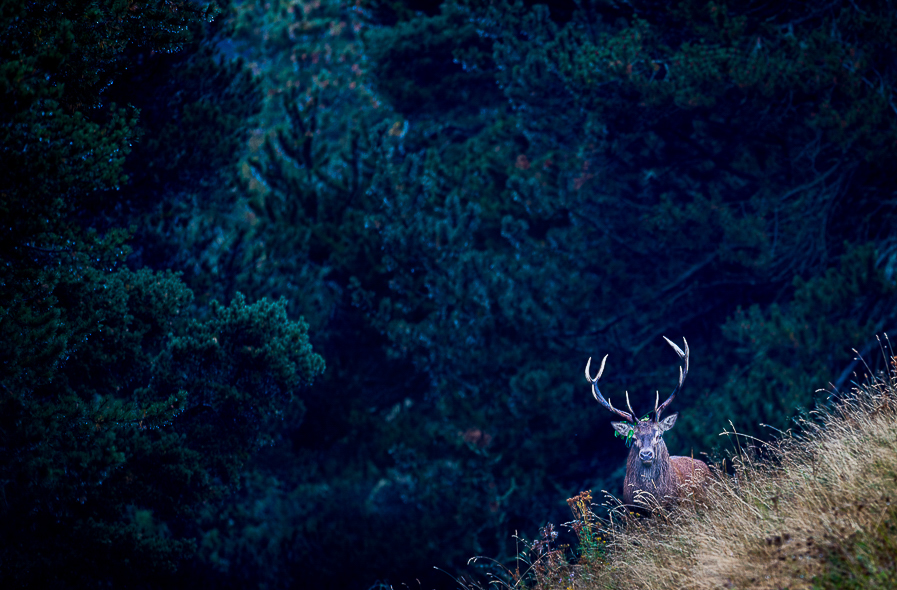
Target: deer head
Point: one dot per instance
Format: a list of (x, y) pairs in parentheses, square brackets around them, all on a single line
[(649, 467)]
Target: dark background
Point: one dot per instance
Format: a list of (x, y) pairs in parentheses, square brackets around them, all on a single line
[(451, 205)]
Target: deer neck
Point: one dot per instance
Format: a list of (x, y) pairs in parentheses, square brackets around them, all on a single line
[(656, 478)]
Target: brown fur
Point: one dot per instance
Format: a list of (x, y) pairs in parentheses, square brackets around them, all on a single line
[(666, 478), (691, 474), (659, 479)]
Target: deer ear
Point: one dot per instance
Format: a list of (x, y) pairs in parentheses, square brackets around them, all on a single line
[(622, 428), (668, 422)]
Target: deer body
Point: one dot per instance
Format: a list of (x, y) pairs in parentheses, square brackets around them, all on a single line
[(649, 468), (665, 477)]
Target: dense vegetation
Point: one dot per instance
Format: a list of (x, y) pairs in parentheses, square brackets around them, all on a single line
[(815, 511), (456, 204)]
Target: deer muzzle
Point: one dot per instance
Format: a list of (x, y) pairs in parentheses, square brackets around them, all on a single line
[(647, 456)]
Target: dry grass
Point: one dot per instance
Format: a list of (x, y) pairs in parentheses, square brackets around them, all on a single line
[(818, 510)]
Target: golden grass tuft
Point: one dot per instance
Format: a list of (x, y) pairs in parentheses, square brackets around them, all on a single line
[(818, 510)]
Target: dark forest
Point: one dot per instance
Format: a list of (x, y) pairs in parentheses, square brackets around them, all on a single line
[(299, 293)]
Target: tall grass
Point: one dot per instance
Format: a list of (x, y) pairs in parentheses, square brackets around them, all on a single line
[(815, 509)]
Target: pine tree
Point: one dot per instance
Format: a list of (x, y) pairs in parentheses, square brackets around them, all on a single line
[(122, 409)]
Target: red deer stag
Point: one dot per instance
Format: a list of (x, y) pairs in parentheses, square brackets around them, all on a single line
[(649, 468)]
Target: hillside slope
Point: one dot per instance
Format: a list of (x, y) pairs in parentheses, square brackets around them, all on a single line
[(815, 509)]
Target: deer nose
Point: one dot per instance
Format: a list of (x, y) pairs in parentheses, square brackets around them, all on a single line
[(646, 455)]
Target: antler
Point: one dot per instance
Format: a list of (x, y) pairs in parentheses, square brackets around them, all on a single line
[(600, 398), (683, 371)]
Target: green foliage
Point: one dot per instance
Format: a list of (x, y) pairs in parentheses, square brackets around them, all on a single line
[(788, 352), (56, 60), (123, 408), (617, 204), (489, 245), (303, 235), (197, 107), (73, 50), (433, 65), (241, 365), (714, 181), (145, 414), (865, 561), (465, 203), (193, 119)]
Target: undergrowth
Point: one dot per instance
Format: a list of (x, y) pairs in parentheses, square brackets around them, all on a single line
[(816, 508)]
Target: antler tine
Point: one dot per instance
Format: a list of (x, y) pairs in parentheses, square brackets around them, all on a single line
[(683, 372), (628, 405), (596, 393)]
